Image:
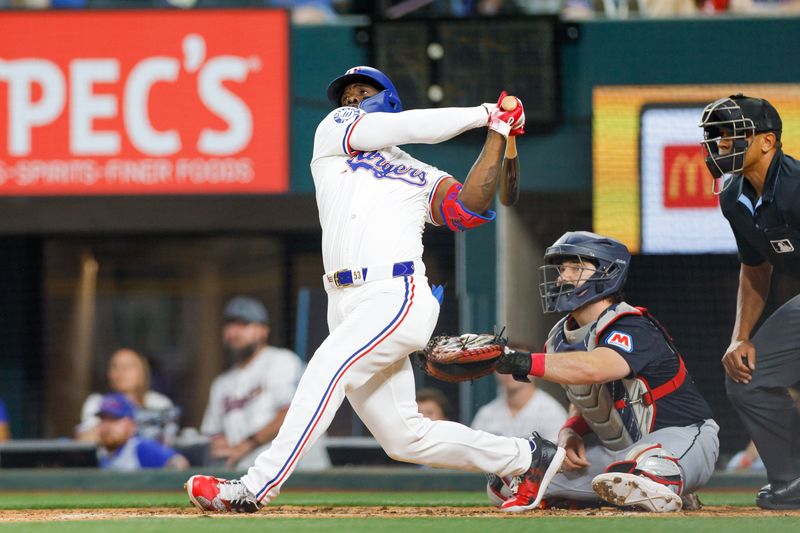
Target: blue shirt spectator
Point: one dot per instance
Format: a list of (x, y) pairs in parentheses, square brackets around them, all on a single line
[(121, 448)]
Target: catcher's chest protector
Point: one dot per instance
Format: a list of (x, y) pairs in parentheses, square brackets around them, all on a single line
[(595, 402)]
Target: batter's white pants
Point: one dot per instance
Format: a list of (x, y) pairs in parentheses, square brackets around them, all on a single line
[(373, 329)]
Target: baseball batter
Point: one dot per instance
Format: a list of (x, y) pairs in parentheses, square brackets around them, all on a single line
[(374, 200), (641, 434)]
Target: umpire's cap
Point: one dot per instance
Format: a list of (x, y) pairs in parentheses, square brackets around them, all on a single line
[(763, 114), (245, 309)]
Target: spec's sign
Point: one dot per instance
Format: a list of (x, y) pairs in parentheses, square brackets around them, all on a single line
[(148, 102)]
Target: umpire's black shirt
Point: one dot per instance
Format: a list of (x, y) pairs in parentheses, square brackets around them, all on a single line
[(767, 228)]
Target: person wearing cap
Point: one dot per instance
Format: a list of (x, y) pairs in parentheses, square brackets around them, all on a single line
[(759, 192), (121, 448), (129, 373), (248, 402)]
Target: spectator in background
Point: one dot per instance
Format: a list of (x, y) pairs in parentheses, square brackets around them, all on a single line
[(433, 404), (519, 409), (248, 402), (746, 460), (129, 374), (5, 432), (120, 446)]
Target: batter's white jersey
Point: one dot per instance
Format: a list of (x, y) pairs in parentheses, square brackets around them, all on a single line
[(373, 205), (244, 400)]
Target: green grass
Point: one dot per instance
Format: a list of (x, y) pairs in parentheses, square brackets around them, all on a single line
[(528, 524), (264, 522), (95, 500)]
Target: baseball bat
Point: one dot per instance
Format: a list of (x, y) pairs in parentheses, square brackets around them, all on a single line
[(509, 177)]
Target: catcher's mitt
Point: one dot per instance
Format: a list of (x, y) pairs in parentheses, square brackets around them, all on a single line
[(462, 358)]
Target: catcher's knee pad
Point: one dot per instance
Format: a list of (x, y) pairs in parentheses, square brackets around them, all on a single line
[(654, 462)]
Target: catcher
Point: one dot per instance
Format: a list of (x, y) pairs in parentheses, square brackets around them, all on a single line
[(640, 434)]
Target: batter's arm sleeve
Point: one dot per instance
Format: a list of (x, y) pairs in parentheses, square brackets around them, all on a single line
[(374, 131)]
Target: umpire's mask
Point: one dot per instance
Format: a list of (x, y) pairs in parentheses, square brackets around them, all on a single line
[(725, 118)]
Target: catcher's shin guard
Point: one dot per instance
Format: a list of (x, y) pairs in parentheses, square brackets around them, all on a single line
[(641, 492), (648, 478)]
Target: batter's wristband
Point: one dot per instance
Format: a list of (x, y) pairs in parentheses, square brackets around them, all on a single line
[(577, 424), (537, 364)]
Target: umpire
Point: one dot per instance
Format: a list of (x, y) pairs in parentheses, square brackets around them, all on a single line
[(759, 188)]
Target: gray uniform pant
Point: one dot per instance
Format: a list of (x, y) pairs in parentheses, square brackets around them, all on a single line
[(696, 447), (768, 412)]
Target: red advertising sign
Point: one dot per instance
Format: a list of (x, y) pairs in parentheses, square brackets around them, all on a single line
[(144, 102), (687, 182)]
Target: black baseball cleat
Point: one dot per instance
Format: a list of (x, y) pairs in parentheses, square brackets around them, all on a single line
[(780, 496), (545, 463)]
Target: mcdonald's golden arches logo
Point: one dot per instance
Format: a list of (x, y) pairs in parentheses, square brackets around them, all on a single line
[(687, 182)]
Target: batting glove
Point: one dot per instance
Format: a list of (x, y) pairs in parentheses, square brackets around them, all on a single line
[(508, 122)]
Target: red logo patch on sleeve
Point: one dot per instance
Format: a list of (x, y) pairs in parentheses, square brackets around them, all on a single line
[(621, 340)]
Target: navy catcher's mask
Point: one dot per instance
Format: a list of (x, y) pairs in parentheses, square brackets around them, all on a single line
[(607, 258), (736, 118), (386, 101)]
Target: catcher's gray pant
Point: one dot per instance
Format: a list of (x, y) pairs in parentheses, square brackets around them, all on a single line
[(696, 447), (765, 405)]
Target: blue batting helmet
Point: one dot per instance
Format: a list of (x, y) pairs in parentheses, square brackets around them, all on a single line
[(609, 259), (386, 101)]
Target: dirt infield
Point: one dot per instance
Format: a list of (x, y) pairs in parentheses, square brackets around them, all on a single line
[(290, 511)]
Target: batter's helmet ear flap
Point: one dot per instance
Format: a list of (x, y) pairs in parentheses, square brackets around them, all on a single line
[(383, 102)]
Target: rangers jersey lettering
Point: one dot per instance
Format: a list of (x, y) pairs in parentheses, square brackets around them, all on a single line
[(373, 205)]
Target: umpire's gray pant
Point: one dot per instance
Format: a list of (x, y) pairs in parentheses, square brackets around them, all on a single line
[(765, 405)]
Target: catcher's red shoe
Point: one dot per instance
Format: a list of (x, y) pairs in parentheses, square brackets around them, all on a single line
[(546, 461), (209, 493)]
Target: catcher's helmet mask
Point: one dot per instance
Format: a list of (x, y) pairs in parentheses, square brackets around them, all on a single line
[(735, 119), (386, 101), (609, 258)]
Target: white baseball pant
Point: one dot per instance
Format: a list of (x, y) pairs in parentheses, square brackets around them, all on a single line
[(365, 358)]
